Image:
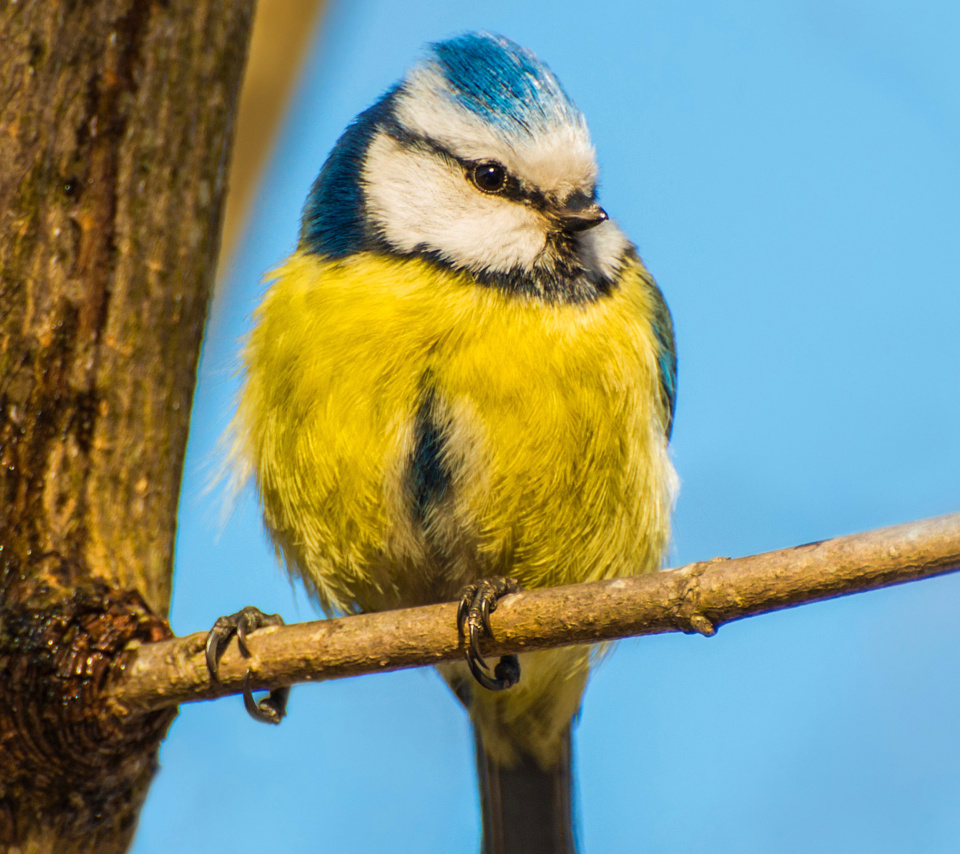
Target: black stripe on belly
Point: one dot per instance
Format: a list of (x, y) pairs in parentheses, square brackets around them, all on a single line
[(429, 477)]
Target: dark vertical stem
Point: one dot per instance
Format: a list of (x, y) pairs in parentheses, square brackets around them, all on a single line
[(116, 119)]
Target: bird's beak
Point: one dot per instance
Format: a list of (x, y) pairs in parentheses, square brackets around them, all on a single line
[(579, 212)]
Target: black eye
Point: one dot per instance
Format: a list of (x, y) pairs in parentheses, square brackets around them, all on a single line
[(489, 176)]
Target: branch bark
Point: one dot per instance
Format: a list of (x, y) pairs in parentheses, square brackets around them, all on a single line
[(698, 598), (116, 118)]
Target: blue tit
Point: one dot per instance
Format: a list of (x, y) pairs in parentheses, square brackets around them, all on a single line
[(465, 374)]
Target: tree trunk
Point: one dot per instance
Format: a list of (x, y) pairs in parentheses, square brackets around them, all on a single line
[(116, 119)]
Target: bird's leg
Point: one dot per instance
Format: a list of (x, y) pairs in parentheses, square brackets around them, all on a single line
[(477, 602), (272, 708)]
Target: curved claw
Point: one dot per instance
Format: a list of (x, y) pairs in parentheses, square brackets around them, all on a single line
[(271, 709), (463, 609), (481, 675), (244, 628), (506, 673), (216, 641), (477, 602), (476, 629), (487, 607), (211, 655)]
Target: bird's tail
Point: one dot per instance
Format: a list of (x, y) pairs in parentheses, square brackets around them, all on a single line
[(524, 751), (527, 809)]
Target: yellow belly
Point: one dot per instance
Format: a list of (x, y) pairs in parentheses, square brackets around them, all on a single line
[(553, 445)]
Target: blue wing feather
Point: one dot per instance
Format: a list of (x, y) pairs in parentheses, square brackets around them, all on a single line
[(666, 356)]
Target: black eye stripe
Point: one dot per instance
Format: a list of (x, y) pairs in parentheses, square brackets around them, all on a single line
[(512, 188)]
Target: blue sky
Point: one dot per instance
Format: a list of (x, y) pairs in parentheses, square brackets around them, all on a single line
[(791, 176)]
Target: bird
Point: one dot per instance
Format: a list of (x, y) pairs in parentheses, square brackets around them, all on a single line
[(461, 384)]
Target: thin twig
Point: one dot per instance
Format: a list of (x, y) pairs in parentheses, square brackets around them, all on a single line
[(696, 598)]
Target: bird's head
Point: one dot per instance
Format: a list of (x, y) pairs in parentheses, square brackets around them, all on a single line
[(479, 161)]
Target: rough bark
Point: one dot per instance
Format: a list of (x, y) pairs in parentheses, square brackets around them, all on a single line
[(116, 118), (695, 599)]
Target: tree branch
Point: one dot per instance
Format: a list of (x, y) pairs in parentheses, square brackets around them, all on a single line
[(696, 598), (116, 120)]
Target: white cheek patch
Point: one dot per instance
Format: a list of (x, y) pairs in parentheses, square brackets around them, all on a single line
[(419, 201), (557, 158)]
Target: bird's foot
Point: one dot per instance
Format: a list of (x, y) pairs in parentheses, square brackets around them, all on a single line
[(477, 602), (272, 708)]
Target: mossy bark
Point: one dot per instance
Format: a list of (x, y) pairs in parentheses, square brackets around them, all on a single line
[(116, 120)]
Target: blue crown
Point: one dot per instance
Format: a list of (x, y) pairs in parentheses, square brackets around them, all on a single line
[(503, 83)]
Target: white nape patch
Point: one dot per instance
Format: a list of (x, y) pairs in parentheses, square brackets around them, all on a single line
[(557, 158), (420, 200), (602, 248)]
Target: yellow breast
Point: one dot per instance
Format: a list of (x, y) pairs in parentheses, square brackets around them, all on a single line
[(538, 425)]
